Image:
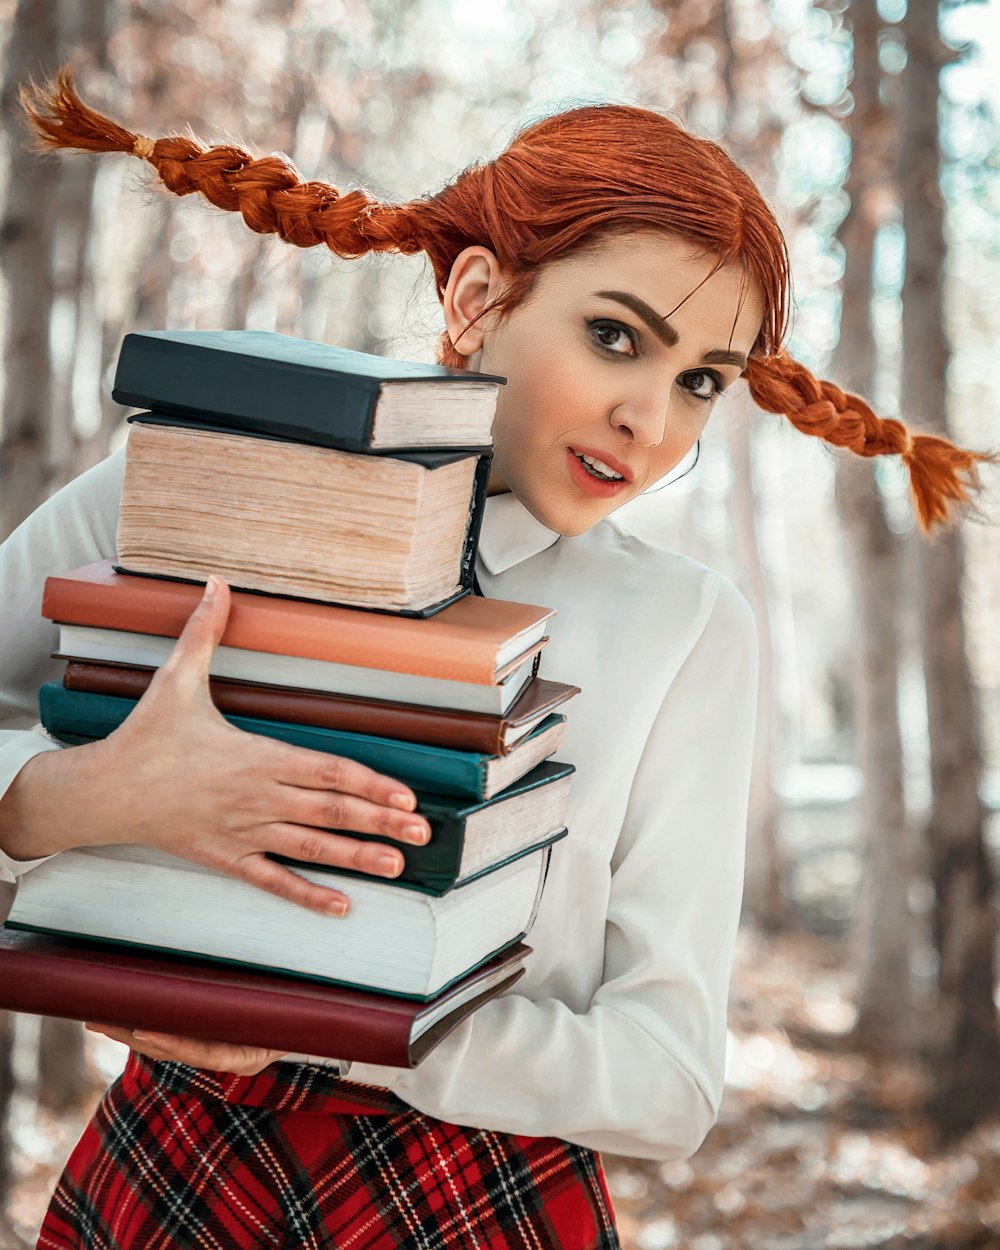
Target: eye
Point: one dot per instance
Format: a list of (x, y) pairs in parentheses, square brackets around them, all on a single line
[(701, 378), (612, 337)]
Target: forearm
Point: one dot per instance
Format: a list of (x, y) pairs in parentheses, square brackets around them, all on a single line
[(46, 796), (73, 527)]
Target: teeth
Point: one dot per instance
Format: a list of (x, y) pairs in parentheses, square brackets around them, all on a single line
[(599, 465)]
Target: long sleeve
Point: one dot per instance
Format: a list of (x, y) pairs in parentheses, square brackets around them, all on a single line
[(76, 526), (641, 1071)]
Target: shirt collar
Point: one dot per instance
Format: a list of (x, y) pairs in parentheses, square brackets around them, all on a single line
[(510, 533)]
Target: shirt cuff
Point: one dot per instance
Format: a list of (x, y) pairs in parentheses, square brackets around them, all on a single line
[(14, 754)]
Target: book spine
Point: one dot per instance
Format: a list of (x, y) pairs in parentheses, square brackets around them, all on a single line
[(457, 773), (270, 623), (277, 1021), (477, 510), (479, 734)]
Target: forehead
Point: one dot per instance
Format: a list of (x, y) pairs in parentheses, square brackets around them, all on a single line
[(671, 275)]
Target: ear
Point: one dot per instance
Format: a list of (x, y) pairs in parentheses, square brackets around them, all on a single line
[(473, 284)]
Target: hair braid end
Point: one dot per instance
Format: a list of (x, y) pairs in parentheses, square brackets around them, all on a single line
[(941, 474), (59, 119)]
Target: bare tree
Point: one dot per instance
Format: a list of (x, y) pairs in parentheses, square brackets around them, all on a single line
[(967, 1044), (883, 926), (63, 1080), (765, 896), (6, 1093), (26, 232)]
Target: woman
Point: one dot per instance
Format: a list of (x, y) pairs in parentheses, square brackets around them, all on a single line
[(621, 274)]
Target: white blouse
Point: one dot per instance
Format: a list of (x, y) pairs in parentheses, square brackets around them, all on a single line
[(615, 1036)]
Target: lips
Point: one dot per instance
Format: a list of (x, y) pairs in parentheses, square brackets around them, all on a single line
[(585, 481), (606, 458)]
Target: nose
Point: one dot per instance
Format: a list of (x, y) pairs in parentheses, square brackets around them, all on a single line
[(643, 416)]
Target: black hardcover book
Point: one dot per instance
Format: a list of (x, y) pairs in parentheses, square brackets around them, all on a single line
[(471, 838), (254, 381)]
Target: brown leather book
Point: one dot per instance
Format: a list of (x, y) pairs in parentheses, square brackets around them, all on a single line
[(439, 727), (81, 980)]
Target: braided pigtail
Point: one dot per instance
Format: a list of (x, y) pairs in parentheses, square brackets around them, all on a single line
[(266, 190), (940, 472)]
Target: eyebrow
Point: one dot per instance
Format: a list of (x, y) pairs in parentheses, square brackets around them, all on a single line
[(665, 332)]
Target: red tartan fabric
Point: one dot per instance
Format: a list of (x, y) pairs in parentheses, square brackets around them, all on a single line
[(178, 1158)]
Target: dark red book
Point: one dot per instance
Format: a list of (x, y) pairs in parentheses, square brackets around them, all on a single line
[(81, 980), (433, 726)]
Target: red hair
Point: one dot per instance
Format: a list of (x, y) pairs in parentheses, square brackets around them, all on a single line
[(561, 185)]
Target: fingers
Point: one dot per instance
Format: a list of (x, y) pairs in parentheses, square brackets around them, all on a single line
[(317, 847), (214, 1056), (189, 661), (315, 770), (114, 1031), (325, 810), (282, 882)]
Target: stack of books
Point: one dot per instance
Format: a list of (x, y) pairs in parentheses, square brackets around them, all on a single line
[(341, 495)]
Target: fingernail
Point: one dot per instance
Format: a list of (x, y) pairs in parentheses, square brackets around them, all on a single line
[(403, 801), (143, 1037), (388, 864), (417, 834), (211, 586), (337, 908)]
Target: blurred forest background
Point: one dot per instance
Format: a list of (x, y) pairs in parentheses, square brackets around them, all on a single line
[(863, 1081)]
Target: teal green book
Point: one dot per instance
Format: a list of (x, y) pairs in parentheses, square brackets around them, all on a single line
[(78, 715), (469, 838)]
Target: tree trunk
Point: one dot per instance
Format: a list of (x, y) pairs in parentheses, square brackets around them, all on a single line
[(26, 233), (63, 1081), (6, 1094), (78, 364), (883, 927), (967, 1042), (764, 896)]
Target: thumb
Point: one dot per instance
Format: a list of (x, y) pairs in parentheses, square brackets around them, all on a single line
[(188, 662)]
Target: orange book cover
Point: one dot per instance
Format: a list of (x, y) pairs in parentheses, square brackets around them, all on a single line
[(463, 642)]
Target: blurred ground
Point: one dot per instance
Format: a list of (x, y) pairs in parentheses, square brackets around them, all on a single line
[(816, 1148)]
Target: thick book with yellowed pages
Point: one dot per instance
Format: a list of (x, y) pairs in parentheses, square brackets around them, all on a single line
[(388, 533)]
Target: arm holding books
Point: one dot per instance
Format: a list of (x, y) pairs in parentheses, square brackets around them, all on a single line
[(641, 1072), (76, 524), (176, 775)]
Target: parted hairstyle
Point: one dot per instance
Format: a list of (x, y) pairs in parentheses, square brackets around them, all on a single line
[(563, 184)]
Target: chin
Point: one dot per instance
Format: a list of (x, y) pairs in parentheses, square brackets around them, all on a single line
[(564, 519)]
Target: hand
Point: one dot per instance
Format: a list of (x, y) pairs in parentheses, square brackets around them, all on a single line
[(178, 776), (213, 1056)]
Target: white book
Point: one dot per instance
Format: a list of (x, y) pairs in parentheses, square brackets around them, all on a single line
[(393, 939), (117, 646)]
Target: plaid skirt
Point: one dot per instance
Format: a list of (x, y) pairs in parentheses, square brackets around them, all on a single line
[(179, 1158)]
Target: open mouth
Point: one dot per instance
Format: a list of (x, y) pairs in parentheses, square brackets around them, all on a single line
[(592, 476), (597, 469)]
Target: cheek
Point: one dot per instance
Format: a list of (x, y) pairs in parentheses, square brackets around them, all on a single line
[(547, 396), (679, 438)]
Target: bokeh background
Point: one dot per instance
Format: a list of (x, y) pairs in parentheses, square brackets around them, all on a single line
[(863, 1076)]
